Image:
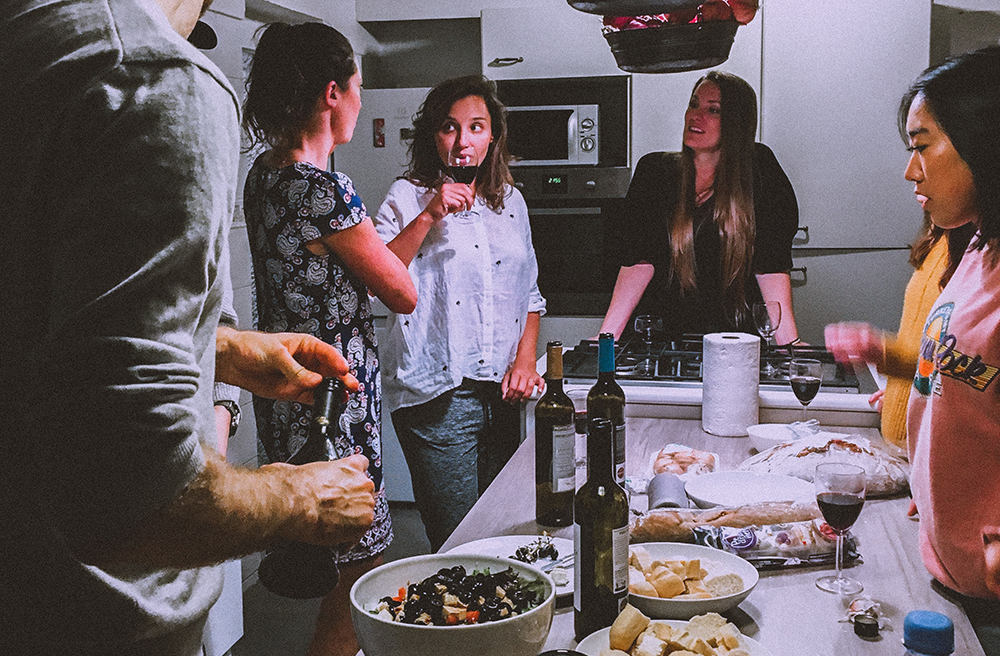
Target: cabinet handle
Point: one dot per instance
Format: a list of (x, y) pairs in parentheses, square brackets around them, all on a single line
[(505, 61), (805, 236), (803, 276)]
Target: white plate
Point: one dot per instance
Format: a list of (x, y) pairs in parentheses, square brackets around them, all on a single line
[(682, 609), (739, 488), (598, 641), (504, 546)]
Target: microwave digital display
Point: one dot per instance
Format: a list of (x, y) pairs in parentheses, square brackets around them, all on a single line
[(541, 134)]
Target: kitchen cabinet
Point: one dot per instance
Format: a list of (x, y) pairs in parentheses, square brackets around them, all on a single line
[(831, 285), (833, 75), (386, 10), (544, 41)]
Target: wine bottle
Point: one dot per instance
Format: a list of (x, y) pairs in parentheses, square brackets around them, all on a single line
[(555, 446), (606, 400), (299, 570), (600, 538)]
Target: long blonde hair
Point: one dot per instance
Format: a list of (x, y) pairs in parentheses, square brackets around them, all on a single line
[(734, 211)]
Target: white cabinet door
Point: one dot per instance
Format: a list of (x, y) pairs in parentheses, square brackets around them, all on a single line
[(549, 40), (831, 285), (833, 76), (384, 10)]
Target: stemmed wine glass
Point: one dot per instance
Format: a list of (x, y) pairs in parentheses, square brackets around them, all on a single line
[(646, 325), (463, 169), (840, 494), (806, 376), (767, 317)]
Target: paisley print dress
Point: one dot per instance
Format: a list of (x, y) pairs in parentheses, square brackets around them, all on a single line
[(299, 291)]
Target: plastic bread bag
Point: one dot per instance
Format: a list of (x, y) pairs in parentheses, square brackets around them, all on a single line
[(678, 524), (779, 546)]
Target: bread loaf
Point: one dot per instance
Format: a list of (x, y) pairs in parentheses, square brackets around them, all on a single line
[(673, 525)]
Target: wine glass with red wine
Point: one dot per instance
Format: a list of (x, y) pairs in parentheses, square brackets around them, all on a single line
[(806, 376), (840, 494), (464, 169)]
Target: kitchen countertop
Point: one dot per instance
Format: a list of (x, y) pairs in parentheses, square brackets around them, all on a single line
[(785, 612), (776, 402)]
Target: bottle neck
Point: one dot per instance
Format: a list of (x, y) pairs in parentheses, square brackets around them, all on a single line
[(606, 358), (600, 456), (553, 384)]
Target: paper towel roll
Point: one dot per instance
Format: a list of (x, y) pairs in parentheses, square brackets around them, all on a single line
[(730, 381)]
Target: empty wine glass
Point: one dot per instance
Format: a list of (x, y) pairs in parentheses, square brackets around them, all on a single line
[(647, 325), (463, 168), (840, 494), (767, 317), (806, 376)]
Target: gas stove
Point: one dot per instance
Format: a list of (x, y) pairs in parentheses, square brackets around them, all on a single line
[(678, 363)]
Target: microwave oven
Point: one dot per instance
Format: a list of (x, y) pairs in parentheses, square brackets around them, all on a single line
[(553, 135)]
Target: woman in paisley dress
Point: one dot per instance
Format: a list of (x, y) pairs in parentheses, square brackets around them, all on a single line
[(316, 256)]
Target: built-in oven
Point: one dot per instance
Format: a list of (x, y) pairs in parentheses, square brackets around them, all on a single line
[(575, 207)]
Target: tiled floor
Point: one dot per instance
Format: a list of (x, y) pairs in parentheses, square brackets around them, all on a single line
[(276, 626)]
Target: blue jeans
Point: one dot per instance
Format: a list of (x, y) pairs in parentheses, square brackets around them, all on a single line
[(455, 445)]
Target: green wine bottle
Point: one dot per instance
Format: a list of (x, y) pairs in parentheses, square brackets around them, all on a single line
[(600, 528), (606, 400), (555, 446)]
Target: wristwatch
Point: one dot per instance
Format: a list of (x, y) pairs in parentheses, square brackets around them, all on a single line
[(234, 414)]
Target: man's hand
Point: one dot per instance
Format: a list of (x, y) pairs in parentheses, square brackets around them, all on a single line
[(286, 366), (334, 501)]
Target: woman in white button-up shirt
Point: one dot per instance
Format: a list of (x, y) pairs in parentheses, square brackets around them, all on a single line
[(456, 369)]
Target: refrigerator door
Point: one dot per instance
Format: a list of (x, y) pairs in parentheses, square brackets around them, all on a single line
[(377, 154)]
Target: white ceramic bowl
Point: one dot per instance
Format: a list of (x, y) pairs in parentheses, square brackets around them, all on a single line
[(521, 635), (764, 436), (683, 609), (740, 488)]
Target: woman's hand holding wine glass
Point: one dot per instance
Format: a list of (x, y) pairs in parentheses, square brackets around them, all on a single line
[(840, 494), (463, 168)]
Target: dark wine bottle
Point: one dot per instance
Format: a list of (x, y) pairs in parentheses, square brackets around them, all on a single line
[(600, 540), (299, 570), (606, 400), (555, 446)]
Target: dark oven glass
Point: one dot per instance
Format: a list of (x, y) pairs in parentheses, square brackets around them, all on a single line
[(539, 134), (575, 272)]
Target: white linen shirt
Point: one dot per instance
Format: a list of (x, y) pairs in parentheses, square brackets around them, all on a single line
[(476, 282)]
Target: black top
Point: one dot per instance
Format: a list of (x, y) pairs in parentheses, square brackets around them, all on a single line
[(649, 206)]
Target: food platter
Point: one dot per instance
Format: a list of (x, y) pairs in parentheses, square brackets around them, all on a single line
[(505, 546), (598, 641), (740, 488), (722, 561)]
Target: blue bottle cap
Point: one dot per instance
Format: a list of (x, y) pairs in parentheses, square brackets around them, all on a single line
[(927, 632)]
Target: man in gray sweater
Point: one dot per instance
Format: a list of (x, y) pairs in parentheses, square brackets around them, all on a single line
[(118, 159)]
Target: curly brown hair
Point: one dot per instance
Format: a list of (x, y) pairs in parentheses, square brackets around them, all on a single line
[(426, 168)]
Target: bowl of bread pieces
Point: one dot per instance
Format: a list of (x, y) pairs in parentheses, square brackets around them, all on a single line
[(670, 580), (635, 634)]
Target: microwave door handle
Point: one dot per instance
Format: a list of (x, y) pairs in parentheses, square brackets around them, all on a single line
[(572, 130)]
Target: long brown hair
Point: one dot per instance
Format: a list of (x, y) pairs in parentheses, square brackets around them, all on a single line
[(958, 242), (734, 212), (426, 168)]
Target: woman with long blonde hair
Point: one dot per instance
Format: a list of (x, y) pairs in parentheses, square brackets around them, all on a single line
[(708, 231)]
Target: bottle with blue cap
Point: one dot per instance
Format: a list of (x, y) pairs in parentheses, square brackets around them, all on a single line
[(926, 633)]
